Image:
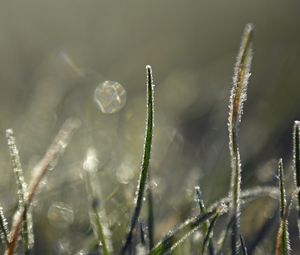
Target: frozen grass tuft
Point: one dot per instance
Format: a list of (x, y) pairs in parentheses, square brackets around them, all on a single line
[(140, 236)]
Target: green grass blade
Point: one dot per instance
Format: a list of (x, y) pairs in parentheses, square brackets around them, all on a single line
[(209, 232), (296, 158), (146, 159), (27, 233), (200, 200), (243, 246), (223, 237), (150, 218), (97, 217), (282, 244), (3, 227), (203, 210), (237, 99), (182, 232)]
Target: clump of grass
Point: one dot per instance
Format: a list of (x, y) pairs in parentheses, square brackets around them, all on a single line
[(48, 162), (140, 240)]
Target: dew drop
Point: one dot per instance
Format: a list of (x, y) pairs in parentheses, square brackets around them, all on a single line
[(60, 215), (110, 96)]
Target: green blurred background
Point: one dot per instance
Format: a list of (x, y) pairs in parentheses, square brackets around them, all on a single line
[(191, 46)]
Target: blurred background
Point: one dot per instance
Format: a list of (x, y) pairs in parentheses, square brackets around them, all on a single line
[(55, 57)]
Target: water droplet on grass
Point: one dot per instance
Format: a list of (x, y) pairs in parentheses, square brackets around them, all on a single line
[(110, 96), (60, 215)]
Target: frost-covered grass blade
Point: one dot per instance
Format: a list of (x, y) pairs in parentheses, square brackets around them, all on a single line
[(3, 227), (205, 227), (146, 159), (282, 243), (27, 233), (47, 162), (296, 158), (237, 99), (97, 217)]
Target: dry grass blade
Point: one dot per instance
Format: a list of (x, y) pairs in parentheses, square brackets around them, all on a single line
[(48, 162), (282, 243), (237, 99), (139, 197), (296, 158)]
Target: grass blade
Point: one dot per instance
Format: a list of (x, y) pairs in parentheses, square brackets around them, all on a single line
[(282, 243), (296, 158), (150, 218), (97, 217), (209, 233), (224, 236), (146, 159), (3, 227), (237, 99), (243, 246), (48, 162), (27, 233), (182, 232), (203, 210)]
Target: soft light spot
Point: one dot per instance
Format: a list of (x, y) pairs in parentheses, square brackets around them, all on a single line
[(110, 96)]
